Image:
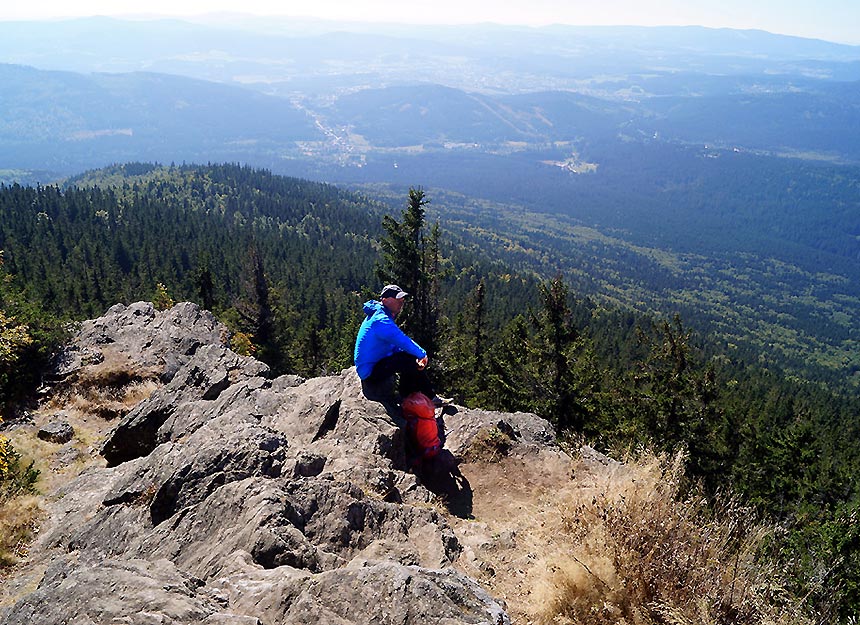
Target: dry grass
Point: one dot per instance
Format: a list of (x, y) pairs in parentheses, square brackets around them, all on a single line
[(489, 445), (108, 402), (590, 541), (627, 551), (88, 401), (108, 390), (19, 522)]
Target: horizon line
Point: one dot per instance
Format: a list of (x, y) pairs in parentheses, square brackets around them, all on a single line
[(391, 23)]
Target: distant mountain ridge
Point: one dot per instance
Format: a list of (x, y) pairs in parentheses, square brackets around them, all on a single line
[(346, 92), (68, 122), (63, 120), (92, 44)]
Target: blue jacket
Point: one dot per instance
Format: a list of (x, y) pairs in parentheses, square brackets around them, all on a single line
[(379, 337)]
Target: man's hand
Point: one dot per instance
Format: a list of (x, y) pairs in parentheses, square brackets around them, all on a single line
[(422, 362)]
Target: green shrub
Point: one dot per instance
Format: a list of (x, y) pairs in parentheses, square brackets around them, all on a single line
[(16, 476), (162, 300)]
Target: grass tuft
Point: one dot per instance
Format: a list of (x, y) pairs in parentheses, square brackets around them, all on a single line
[(20, 517), (489, 445), (108, 390)]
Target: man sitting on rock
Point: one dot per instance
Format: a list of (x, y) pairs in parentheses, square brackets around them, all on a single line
[(383, 350)]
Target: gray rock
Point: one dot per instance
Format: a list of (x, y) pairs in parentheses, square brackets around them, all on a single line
[(203, 378), (148, 338), (230, 497), (73, 358), (388, 594), (362, 593), (526, 431), (593, 457), (57, 431), (77, 590)]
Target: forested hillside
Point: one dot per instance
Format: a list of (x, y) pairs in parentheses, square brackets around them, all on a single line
[(758, 251), (216, 235), (287, 263), (204, 234)]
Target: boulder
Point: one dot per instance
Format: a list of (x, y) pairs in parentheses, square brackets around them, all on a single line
[(76, 589), (57, 431), (184, 404)]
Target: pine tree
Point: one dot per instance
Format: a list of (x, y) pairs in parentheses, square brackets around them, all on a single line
[(29, 339), (412, 260), (510, 376), (402, 246), (428, 311), (675, 398), (255, 310), (161, 298), (465, 351), (205, 286), (556, 341)]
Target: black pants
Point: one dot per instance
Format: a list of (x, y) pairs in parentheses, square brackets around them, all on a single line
[(379, 385)]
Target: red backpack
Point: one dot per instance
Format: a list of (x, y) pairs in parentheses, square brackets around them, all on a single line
[(420, 415)]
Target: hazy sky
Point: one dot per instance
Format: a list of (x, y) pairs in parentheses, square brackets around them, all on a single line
[(833, 20)]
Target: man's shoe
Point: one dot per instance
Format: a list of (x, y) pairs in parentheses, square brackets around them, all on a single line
[(440, 401)]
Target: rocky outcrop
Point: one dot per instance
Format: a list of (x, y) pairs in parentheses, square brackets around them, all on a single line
[(138, 334), (230, 496)]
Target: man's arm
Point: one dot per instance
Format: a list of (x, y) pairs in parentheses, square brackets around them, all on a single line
[(389, 331)]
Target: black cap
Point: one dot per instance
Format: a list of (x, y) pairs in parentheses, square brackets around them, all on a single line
[(392, 290)]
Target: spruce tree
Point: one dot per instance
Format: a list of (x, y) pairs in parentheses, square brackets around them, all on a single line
[(556, 338), (205, 286), (510, 377), (412, 260), (675, 398), (255, 310), (464, 352)]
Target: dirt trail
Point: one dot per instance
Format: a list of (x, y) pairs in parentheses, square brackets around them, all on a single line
[(506, 542)]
